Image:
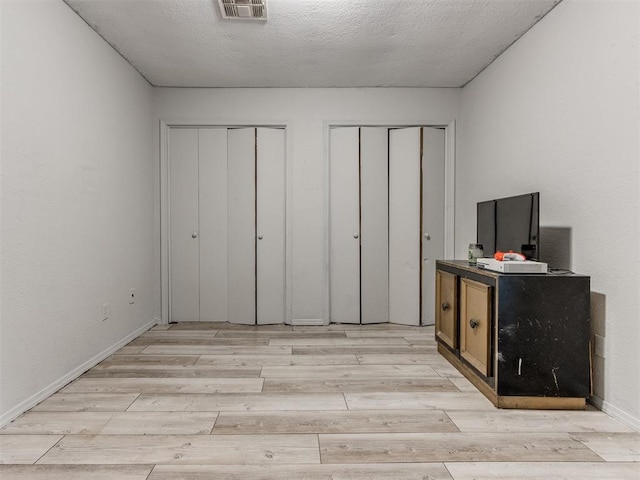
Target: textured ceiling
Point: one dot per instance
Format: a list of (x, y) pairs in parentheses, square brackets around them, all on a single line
[(305, 43)]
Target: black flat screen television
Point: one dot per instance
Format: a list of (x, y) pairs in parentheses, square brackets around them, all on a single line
[(511, 223)]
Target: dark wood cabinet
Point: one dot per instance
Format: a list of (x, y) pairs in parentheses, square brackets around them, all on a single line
[(521, 339)]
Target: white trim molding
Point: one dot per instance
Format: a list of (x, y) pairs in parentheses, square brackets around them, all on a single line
[(449, 192), (615, 412), (52, 388), (308, 322), (165, 125)]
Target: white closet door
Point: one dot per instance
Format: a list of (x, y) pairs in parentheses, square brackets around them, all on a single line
[(270, 211), (344, 225), (241, 300), (374, 225), (432, 216), (404, 225), (212, 191), (183, 215)]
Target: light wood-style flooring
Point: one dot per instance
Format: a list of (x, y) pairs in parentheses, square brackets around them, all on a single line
[(221, 401)]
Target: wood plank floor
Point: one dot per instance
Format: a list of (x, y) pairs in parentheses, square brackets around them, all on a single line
[(221, 401)]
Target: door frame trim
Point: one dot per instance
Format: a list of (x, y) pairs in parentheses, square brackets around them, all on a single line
[(449, 188), (165, 124)]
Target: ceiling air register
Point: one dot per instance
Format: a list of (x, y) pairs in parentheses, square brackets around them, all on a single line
[(243, 9)]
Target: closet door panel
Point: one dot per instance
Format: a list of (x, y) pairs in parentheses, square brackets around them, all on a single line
[(344, 226), (432, 216), (270, 211), (212, 192), (241, 241), (374, 225), (404, 225), (183, 218)]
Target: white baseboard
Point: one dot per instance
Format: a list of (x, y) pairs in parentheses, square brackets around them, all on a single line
[(72, 375), (615, 412), (313, 322), (621, 415)]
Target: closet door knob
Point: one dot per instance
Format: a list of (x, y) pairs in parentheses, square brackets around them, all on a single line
[(194, 235), (355, 235), (445, 306), (260, 237), (473, 323)]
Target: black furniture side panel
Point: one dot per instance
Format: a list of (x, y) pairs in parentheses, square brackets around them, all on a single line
[(543, 336)]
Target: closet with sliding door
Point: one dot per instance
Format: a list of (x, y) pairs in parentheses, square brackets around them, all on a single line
[(386, 223), (227, 224)]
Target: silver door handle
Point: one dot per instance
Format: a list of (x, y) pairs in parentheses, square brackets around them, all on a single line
[(355, 235), (260, 237), (427, 236), (194, 235)]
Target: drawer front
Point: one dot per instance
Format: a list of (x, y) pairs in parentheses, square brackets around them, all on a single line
[(447, 308), (475, 324)]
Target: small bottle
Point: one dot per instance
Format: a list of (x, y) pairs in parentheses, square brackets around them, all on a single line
[(476, 251)]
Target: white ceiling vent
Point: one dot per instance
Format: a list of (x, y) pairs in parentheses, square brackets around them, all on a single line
[(244, 9)]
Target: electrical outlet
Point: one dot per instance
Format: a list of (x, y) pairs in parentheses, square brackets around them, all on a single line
[(105, 311), (132, 296)]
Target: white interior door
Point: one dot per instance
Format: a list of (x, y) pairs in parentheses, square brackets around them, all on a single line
[(184, 305), (344, 225), (404, 225), (374, 225), (432, 216), (241, 226), (212, 201), (270, 211)]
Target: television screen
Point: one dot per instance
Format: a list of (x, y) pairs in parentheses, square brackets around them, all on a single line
[(510, 223), (486, 222)]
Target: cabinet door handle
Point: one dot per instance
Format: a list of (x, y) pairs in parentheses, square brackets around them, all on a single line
[(445, 306), (473, 323)]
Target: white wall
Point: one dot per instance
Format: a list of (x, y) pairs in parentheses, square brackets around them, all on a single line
[(558, 113), (77, 200), (307, 112)]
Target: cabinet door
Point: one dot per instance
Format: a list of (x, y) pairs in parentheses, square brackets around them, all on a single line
[(241, 227), (404, 225), (433, 146), (446, 309), (270, 222), (475, 324), (344, 225), (183, 213), (212, 206), (374, 224)]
